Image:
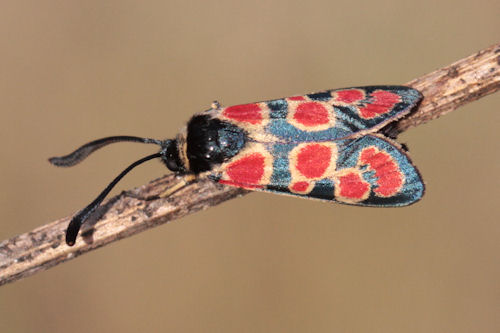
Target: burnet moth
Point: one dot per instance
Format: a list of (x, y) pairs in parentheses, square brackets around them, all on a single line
[(327, 145)]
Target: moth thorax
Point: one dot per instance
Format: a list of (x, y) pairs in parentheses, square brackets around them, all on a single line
[(211, 141)]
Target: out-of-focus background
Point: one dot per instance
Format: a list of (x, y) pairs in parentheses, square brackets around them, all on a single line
[(73, 71)]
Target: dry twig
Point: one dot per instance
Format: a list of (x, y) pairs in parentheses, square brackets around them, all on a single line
[(444, 90)]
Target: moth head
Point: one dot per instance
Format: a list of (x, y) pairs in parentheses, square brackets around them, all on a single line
[(171, 157)]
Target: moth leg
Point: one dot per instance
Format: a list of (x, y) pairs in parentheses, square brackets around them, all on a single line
[(215, 105), (186, 180), (391, 130), (139, 197), (405, 148)]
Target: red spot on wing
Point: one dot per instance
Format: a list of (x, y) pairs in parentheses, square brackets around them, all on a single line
[(352, 186), (247, 170), (313, 160), (300, 187), (311, 114), (349, 96), (248, 113), (297, 98), (382, 102), (389, 177)]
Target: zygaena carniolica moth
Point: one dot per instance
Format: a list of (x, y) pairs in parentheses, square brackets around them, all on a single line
[(326, 145)]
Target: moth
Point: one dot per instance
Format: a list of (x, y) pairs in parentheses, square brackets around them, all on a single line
[(327, 145)]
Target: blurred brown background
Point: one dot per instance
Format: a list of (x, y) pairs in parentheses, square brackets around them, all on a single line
[(73, 71)]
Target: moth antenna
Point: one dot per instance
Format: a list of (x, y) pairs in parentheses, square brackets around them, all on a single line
[(81, 153), (77, 220)]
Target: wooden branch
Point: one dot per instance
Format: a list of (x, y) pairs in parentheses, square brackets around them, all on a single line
[(460, 83), (124, 215)]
